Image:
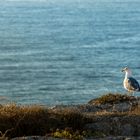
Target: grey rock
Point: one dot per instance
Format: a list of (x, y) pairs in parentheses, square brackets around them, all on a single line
[(103, 127), (122, 107), (51, 138), (127, 130)]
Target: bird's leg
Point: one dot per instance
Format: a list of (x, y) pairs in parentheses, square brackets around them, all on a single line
[(129, 93), (132, 93)]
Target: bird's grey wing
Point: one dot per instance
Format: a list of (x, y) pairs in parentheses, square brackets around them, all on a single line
[(133, 84)]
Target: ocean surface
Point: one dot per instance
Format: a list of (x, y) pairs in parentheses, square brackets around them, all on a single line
[(66, 51)]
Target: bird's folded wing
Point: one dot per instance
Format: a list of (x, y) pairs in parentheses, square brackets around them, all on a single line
[(132, 84)]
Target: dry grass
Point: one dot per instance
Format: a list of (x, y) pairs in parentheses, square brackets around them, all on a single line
[(23, 120), (36, 120), (111, 98), (136, 111)]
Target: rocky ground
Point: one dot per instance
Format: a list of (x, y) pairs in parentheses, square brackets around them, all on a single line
[(110, 117)]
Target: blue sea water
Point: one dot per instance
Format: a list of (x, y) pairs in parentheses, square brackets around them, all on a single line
[(66, 51)]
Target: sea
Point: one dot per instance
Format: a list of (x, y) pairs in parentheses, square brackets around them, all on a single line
[(63, 52)]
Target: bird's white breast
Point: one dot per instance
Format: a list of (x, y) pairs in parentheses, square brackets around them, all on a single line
[(125, 83)]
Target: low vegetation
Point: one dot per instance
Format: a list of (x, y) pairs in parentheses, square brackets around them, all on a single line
[(16, 120), (111, 98), (68, 133), (36, 120)]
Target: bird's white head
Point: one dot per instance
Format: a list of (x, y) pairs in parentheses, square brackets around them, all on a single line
[(127, 72)]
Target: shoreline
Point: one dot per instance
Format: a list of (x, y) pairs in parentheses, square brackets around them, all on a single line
[(110, 115)]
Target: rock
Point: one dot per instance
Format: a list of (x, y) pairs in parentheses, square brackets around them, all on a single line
[(127, 130), (103, 127), (117, 125), (118, 138), (30, 138), (51, 138), (123, 104), (122, 107), (37, 138), (137, 130)]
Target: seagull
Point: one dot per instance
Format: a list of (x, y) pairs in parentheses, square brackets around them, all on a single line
[(129, 83)]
